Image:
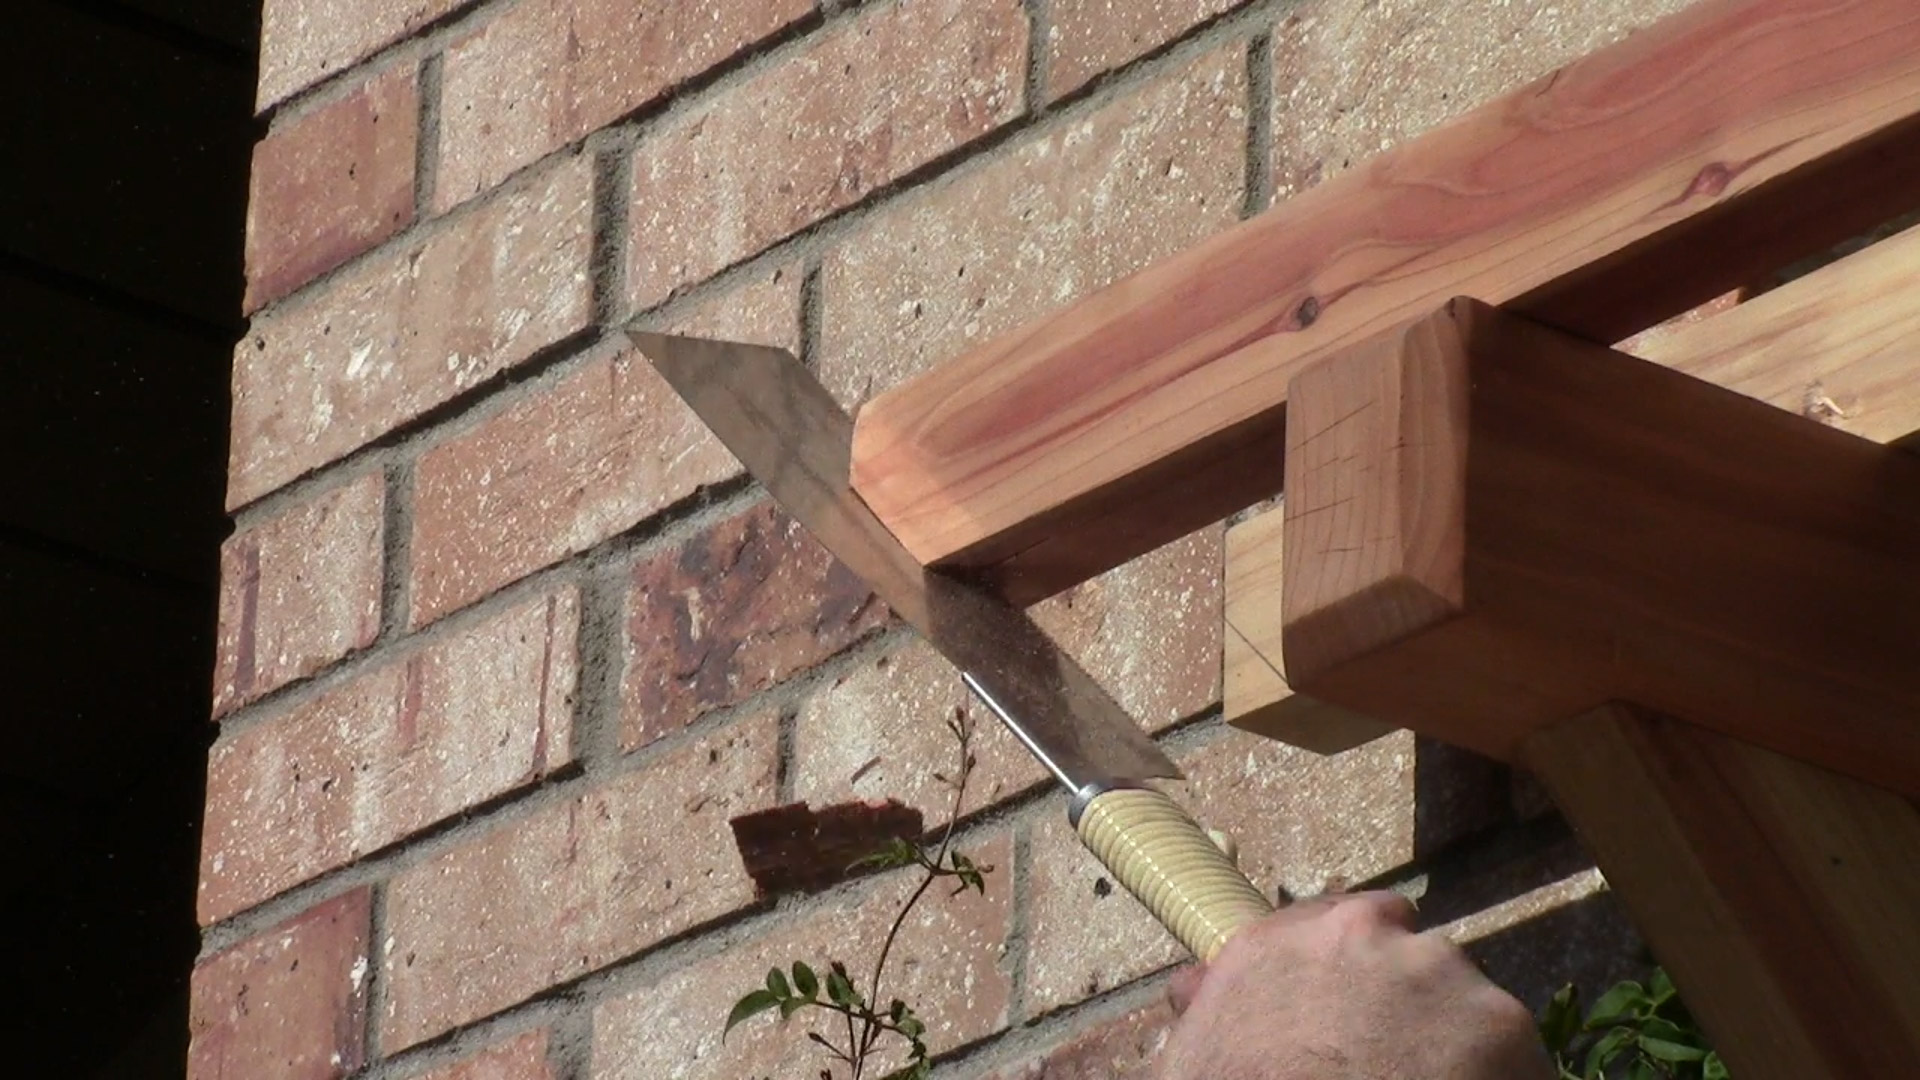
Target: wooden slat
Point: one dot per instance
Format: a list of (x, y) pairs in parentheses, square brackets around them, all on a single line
[(1784, 899), (1256, 696), (1631, 186), (1840, 345), (1492, 525)]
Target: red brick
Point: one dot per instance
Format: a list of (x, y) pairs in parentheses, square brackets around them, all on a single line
[(298, 591), (857, 107), (574, 886), (1073, 207), (1354, 77), (1303, 822), (950, 963), (290, 1003), (304, 41), (730, 612), (468, 717), (330, 183), (403, 331), (1124, 1048), (582, 459), (1149, 631), (1088, 37), (523, 1058), (549, 72)]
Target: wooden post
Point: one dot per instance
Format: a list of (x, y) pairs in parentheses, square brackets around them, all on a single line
[(1784, 899), (1491, 525)]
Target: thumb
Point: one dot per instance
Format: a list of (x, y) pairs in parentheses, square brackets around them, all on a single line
[(1184, 985)]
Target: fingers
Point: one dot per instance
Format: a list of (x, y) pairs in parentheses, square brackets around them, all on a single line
[(1183, 986), (1381, 908)]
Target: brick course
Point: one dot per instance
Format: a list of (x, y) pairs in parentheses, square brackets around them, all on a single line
[(545, 73), (298, 591), (522, 1058), (331, 183), (289, 1003), (1057, 215), (400, 333), (1124, 1048), (304, 41), (859, 106), (572, 887), (390, 752), (1089, 37)]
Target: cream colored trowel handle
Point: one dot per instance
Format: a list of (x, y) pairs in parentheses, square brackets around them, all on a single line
[(1163, 857)]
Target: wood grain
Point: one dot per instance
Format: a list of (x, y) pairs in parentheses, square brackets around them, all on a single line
[(1784, 899), (1682, 162), (1256, 697), (1840, 345), (1493, 526)]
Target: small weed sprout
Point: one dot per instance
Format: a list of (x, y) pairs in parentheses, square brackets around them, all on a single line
[(1634, 1032), (801, 987)]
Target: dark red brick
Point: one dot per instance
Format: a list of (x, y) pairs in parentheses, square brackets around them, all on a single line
[(290, 1003), (730, 612)]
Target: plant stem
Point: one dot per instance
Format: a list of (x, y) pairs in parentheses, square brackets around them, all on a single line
[(963, 729)]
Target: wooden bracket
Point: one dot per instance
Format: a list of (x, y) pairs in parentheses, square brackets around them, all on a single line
[(1491, 525)]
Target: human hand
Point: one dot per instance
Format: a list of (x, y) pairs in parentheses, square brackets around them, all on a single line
[(1342, 988)]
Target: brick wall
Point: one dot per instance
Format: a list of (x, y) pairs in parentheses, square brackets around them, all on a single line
[(506, 638)]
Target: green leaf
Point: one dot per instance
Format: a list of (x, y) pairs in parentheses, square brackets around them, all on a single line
[(1642, 1069), (777, 984), (748, 1007), (839, 988), (1713, 1068), (1662, 1028), (805, 981), (912, 1028), (1668, 1051), (1660, 985), (789, 1006), (1609, 1047), (898, 852), (1560, 1020), (1619, 1003)]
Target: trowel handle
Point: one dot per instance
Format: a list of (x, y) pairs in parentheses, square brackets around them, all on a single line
[(1168, 861)]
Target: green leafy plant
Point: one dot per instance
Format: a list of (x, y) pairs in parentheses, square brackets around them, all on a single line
[(1634, 1032), (800, 987)]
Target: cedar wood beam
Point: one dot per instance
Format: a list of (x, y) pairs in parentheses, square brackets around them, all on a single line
[(1630, 186)]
